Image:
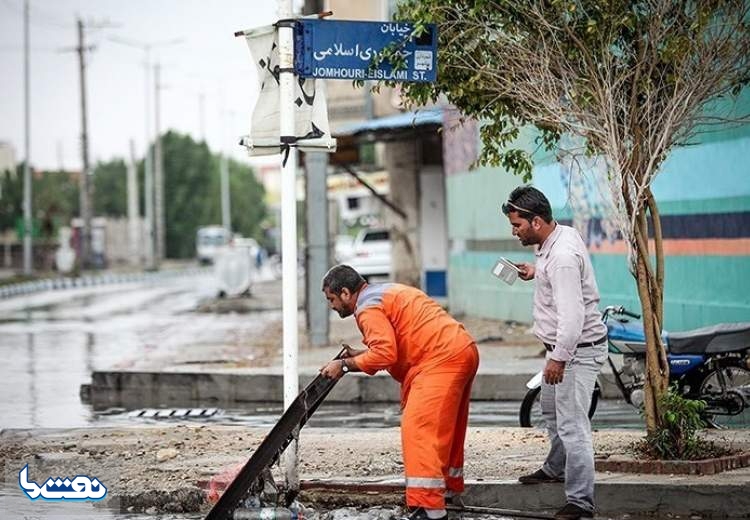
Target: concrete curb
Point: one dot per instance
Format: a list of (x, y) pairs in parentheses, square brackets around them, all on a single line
[(120, 388), (616, 495), (65, 282), (158, 388)]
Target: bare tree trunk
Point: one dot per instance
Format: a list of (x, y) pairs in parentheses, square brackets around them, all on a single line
[(650, 284)]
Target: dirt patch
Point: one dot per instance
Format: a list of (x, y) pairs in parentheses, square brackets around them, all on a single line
[(127, 460)]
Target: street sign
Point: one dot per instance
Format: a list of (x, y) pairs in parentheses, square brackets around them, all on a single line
[(336, 49)]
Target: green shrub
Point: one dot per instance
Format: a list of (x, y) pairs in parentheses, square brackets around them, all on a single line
[(677, 438)]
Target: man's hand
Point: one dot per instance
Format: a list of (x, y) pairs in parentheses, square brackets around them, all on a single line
[(333, 369), (553, 371), (526, 271)]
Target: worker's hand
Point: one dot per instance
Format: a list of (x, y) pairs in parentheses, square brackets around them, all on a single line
[(332, 369), (525, 271), (553, 371)]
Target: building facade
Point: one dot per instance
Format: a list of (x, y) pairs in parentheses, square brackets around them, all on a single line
[(703, 193)]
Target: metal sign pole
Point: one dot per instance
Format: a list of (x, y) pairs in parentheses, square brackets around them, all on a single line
[(288, 226)]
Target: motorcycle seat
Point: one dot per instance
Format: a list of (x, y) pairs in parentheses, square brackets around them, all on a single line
[(724, 337)]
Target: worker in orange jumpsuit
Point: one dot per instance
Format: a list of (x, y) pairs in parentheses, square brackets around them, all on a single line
[(435, 360)]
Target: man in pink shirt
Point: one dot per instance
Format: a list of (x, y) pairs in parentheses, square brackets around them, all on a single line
[(568, 322)]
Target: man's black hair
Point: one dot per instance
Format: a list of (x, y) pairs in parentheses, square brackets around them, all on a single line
[(340, 276), (528, 202)]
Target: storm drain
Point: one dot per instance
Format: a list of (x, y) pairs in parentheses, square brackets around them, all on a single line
[(176, 413)]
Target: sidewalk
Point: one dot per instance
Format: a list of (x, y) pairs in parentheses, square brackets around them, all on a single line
[(158, 469), (170, 468), (509, 357)]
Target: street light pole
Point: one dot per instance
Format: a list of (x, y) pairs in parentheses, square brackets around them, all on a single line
[(27, 251), (288, 225), (226, 203), (158, 170), (134, 221), (148, 170)]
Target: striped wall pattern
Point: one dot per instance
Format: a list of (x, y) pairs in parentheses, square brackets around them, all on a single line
[(703, 194)]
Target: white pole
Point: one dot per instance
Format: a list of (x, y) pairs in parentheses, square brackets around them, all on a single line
[(202, 114), (27, 264), (288, 230), (226, 207), (158, 172), (85, 195), (148, 180), (134, 235)]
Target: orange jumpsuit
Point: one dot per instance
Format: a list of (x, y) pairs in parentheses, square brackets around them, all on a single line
[(435, 360)]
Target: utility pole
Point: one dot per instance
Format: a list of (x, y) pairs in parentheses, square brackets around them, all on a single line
[(148, 172), (134, 221), (149, 168), (202, 114), (85, 196), (27, 230), (158, 170), (226, 209), (226, 203)]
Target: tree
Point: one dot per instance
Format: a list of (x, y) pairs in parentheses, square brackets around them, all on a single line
[(55, 200), (110, 188), (192, 194), (630, 80), (11, 198), (248, 206)]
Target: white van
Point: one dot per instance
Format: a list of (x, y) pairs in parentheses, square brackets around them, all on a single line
[(208, 240)]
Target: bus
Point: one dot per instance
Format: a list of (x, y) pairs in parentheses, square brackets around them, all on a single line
[(208, 241)]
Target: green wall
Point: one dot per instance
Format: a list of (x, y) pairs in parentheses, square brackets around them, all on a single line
[(698, 290), (706, 179)]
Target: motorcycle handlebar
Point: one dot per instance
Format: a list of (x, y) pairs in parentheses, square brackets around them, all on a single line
[(621, 310)]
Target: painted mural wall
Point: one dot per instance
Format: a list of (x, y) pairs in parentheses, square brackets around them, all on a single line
[(703, 193)]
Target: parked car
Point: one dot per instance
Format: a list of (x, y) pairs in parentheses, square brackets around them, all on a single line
[(371, 253), (343, 249)]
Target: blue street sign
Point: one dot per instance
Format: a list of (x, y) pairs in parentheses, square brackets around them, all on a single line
[(336, 49)]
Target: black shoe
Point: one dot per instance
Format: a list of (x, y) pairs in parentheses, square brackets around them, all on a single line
[(573, 512), (421, 514), (539, 477)]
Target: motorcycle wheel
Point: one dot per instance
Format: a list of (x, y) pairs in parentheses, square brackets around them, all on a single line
[(736, 384), (530, 414)]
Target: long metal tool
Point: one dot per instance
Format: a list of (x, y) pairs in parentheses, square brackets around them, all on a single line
[(515, 513), (269, 451)]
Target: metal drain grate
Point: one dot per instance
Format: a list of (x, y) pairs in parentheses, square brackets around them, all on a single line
[(175, 413)]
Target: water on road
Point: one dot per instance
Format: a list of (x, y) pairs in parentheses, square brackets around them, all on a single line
[(51, 343)]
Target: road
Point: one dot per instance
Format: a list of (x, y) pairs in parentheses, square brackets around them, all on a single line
[(52, 341)]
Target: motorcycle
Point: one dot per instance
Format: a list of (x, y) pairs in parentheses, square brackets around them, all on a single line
[(711, 364)]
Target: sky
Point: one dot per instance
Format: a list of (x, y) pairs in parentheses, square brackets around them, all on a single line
[(208, 60)]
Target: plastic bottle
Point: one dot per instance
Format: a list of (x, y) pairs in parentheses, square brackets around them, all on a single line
[(265, 513)]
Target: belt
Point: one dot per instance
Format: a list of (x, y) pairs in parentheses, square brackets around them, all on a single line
[(601, 340)]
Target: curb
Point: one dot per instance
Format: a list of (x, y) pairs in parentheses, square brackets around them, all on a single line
[(672, 467), (183, 389), (66, 282), (152, 389), (614, 497)]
